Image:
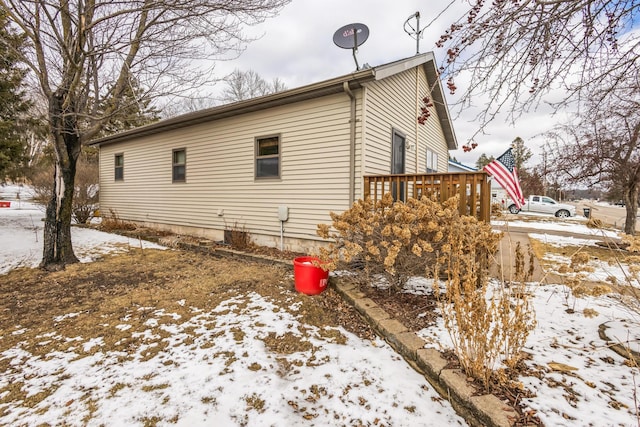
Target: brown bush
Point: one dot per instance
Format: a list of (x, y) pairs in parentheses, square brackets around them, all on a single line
[(487, 322), (397, 240), (424, 237), (237, 236), (85, 196), (112, 222)]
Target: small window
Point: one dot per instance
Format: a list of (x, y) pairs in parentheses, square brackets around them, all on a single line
[(432, 161), (118, 162), (268, 157), (179, 165)]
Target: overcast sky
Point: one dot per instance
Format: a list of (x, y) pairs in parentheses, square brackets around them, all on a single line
[(297, 47)]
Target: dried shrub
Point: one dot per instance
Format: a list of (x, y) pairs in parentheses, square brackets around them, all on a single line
[(112, 222), (630, 282), (41, 180), (394, 240), (424, 237), (579, 260), (594, 223), (623, 256), (488, 322), (86, 193), (497, 211), (86, 190), (237, 236)]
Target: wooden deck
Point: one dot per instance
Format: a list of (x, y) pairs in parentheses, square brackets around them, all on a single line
[(473, 188)]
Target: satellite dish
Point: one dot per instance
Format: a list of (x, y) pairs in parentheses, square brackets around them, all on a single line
[(350, 37)]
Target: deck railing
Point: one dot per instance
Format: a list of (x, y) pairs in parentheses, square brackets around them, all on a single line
[(473, 187)]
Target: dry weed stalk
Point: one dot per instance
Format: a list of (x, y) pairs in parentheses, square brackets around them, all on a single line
[(113, 222), (237, 236), (487, 324), (628, 285)]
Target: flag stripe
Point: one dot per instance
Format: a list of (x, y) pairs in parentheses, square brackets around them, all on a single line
[(505, 173)]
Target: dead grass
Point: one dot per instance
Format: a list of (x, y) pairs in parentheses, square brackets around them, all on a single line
[(602, 253), (574, 272), (93, 300)]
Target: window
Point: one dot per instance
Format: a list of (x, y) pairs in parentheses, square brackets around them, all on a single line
[(432, 161), (268, 157), (179, 165), (118, 170)]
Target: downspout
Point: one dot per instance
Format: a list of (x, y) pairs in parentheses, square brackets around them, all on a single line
[(352, 144), (416, 120)]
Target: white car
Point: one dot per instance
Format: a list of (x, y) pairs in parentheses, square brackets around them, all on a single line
[(544, 204)]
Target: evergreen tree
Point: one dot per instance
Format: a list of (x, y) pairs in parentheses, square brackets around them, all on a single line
[(135, 111), (13, 102), (521, 153), (483, 161)]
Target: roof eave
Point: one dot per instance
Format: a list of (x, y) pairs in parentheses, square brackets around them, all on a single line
[(433, 79), (324, 88)]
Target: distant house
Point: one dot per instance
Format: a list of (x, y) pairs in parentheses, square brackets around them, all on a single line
[(277, 165), (454, 166), (498, 194)]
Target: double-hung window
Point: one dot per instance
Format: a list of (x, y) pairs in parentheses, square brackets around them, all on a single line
[(179, 166), (267, 154), (118, 170), (432, 161)]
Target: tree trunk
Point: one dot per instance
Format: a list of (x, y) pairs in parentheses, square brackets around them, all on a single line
[(631, 203), (58, 250)]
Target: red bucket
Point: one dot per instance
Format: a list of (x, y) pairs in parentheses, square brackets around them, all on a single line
[(5, 204), (309, 279)]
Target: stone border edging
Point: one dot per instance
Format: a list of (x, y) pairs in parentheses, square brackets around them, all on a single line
[(452, 384)]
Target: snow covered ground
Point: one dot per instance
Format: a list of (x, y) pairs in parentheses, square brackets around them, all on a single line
[(22, 225), (580, 381)]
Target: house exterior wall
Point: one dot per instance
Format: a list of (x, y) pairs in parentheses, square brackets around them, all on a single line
[(430, 133), (394, 103), (221, 192), (220, 189)]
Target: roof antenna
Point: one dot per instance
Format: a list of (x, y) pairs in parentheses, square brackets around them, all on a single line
[(415, 32), (350, 37)]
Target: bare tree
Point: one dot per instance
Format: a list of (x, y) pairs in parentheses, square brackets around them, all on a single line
[(243, 85), (176, 106), (84, 53), (514, 52), (603, 146), (531, 181)]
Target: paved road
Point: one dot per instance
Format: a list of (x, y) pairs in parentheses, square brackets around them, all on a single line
[(609, 214)]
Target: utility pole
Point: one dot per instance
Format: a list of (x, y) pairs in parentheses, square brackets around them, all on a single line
[(544, 172)]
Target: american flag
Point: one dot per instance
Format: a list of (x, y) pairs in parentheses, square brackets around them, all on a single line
[(504, 171)]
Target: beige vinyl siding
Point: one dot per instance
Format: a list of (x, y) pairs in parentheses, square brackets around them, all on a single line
[(220, 171), (393, 103), (390, 105), (430, 134)]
